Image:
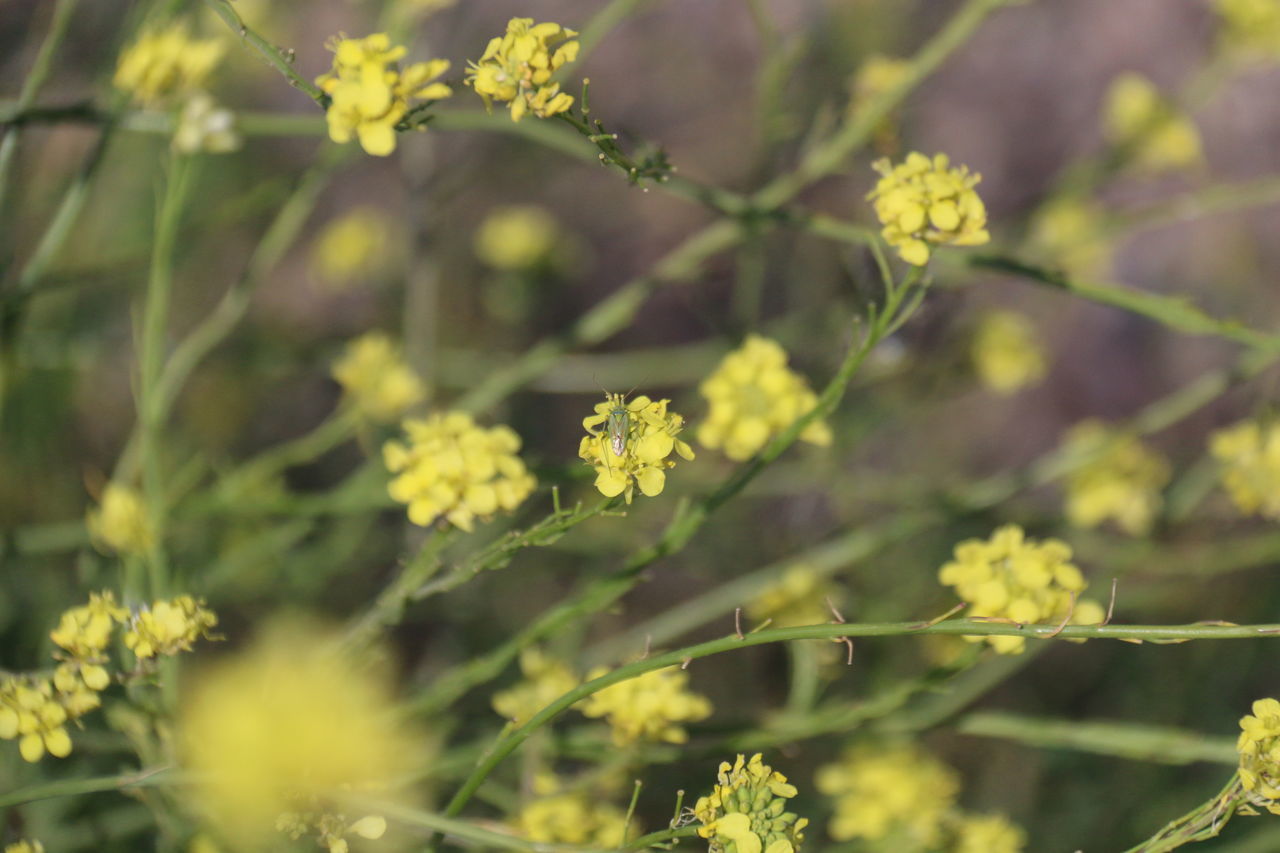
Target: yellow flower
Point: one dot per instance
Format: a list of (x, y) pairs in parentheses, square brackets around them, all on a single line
[(24, 846), (1137, 117), (516, 237), (31, 712), (169, 627), (1120, 479), (376, 379), (884, 790), (989, 834), (120, 522), (570, 817), (546, 679), (798, 598), (633, 448), (83, 634), (330, 829), (370, 94), (1250, 27), (1020, 580), (290, 720), (876, 75), (923, 202), (166, 63), (204, 126), (1259, 748), (746, 811), (1072, 232), (1006, 352), (517, 68), (753, 397), (353, 247), (651, 707), (1249, 453), (450, 467)]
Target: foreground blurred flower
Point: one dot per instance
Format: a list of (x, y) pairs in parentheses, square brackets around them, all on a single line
[(753, 397), (650, 707), (1010, 577), (166, 63), (1259, 748), (634, 446), (516, 237), (120, 522), (517, 68), (746, 811), (1250, 27), (883, 791), (375, 378), (545, 680), (988, 834), (570, 817), (450, 467), (1120, 478), (353, 247), (1006, 352), (369, 92), (24, 846), (1138, 118), (1249, 453), (205, 126), (923, 202)]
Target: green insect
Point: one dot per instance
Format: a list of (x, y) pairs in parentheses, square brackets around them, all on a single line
[(617, 422)]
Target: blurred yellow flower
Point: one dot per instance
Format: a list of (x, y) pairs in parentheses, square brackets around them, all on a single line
[(1259, 748), (564, 816), (1250, 27), (24, 846), (799, 597), (450, 467), (30, 712), (1137, 117), (1006, 352), (353, 247), (517, 68), (83, 634), (205, 126), (1020, 580), (375, 378), (886, 790), (516, 237), (746, 810), (754, 396), (633, 448), (166, 63), (1249, 454), (923, 202), (989, 834), (168, 627), (545, 680), (652, 707), (120, 522), (1073, 233), (370, 94), (876, 75), (1120, 478)]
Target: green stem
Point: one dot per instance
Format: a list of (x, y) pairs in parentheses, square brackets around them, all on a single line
[(283, 62), (1204, 821), (388, 609), (74, 787)]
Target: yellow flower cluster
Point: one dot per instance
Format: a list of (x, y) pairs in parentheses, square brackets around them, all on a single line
[(753, 396), (1073, 233), (82, 636), (375, 378), (798, 598), (1020, 580), (988, 834), (1249, 453), (545, 680), (1137, 117), (1259, 748), (24, 846), (31, 712), (1006, 352), (450, 467), (169, 627), (1250, 26), (329, 829), (120, 522), (517, 68), (652, 707), (516, 237), (634, 447), (166, 63), (896, 790), (1120, 478), (559, 816), (924, 202), (370, 94), (746, 811), (353, 247)]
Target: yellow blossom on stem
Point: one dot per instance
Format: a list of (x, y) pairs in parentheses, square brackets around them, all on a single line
[(746, 811), (169, 627), (450, 467), (1259, 748), (369, 94), (83, 634), (545, 680), (570, 816), (923, 202), (353, 247), (896, 790), (516, 68), (165, 63), (754, 396), (1249, 455), (376, 379), (30, 712), (516, 237), (1250, 27), (634, 446), (1006, 352), (330, 829), (120, 522), (988, 834), (1020, 580), (651, 707), (1137, 117), (1121, 479)]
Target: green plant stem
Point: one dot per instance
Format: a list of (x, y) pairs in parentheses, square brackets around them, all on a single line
[(388, 608), (282, 61), (74, 787), (1204, 821)]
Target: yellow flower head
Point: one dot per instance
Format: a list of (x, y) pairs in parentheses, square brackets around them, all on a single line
[(1249, 454), (989, 834), (290, 720), (516, 237), (353, 247), (1120, 479), (1021, 580), (566, 816), (1006, 352), (1073, 233), (651, 707), (120, 522), (517, 68), (1250, 27), (1259, 748), (450, 467), (633, 447), (166, 63), (798, 598), (746, 811), (370, 94), (924, 202), (879, 791), (753, 397), (24, 846), (83, 634), (205, 126), (376, 379), (545, 680), (30, 711), (169, 627), (1136, 116)]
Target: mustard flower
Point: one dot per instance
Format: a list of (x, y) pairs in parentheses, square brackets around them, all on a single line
[(1006, 352), (1136, 116), (1020, 580), (634, 447), (330, 829), (545, 680), (516, 68), (353, 247), (753, 397), (746, 811), (652, 707), (83, 634), (565, 816), (516, 237), (799, 597), (1073, 233), (1249, 455), (205, 126), (896, 790), (375, 378), (165, 63), (923, 202), (988, 834), (120, 522), (168, 627), (31, 712), (1259, 748), (1250, 27), (24, 846), (1120, 478), (450, 467), (370, 94)]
